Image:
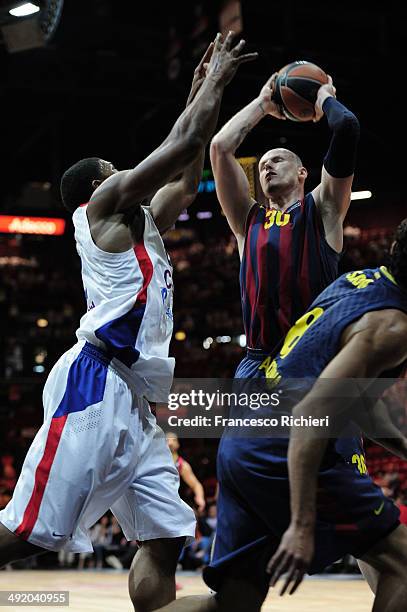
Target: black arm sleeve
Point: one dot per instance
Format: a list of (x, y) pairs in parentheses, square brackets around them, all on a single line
[(340, 160)]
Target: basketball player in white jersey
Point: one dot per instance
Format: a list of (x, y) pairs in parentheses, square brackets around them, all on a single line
[(99, 446)]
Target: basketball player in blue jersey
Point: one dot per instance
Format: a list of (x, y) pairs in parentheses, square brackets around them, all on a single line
[(297, 504), (289, 247), (99, 446)]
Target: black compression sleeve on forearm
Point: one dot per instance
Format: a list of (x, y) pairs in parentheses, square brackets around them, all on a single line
[(340, 160)]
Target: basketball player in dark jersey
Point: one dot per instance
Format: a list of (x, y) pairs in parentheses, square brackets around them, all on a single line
[(297, 504), (289, 247)]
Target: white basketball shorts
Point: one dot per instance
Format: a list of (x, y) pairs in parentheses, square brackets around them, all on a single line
[(98, 448)]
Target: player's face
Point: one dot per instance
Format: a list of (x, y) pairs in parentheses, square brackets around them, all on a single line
[(278, 171)]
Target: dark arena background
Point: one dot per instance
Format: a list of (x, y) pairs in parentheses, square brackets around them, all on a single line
[(109, 81)]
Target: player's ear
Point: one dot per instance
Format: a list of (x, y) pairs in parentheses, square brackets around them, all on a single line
[(302, 173), (96, 183)]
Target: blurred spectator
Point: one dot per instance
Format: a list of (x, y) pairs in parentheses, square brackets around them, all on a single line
[(401, 502), (185, 471)]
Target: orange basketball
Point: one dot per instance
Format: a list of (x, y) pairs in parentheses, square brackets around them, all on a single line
[(296, 89)]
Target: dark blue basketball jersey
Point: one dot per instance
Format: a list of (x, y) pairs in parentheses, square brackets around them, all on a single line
[(315, 338), (286, 263), (254, 492)]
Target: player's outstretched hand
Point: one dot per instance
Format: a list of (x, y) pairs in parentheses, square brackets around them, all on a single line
[(267, 101), (292, 557), (324, 92), (200, 73), (225, 60)]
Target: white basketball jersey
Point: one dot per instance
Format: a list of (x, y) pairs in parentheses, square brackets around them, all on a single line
[(129, 304)]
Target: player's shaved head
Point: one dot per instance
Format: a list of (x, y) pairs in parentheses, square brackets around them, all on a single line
[(398, 264), (284, 152)]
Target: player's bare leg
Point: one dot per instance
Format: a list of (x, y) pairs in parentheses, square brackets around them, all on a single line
[(389, 558), (236, 594), (152, 573), (14, 548), (370, 574)]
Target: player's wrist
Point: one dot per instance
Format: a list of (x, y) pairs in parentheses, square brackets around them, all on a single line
[(263, 103), (304, 521), (323, 97), (216, 80)]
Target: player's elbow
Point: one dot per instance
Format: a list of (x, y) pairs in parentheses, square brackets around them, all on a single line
[(191, 145), (350, 126), (219, 147)]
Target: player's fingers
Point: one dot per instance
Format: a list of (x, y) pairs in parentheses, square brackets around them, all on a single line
[(290, 576), (236, 50), (294, 567), (298, 580), (228, 41), (280, 569), (248, 57), (272, 564), (271, 82), (217, 44), (206, 56)]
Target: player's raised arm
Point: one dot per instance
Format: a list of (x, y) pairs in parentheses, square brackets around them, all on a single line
[(176, 196), (232, 186), (189, 135), (333, 194), (374, 344)]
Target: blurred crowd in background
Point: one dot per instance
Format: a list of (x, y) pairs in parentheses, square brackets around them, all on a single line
[(41, 302)]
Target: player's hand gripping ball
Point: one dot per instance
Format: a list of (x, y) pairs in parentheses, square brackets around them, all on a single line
[(296, 89)]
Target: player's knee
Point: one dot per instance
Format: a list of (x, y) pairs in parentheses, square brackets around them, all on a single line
[(164, 551)]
